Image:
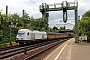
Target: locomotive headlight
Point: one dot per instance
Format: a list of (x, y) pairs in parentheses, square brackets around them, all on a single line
[(16, 38)]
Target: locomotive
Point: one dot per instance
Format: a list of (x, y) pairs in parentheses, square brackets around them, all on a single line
[(26, 36)]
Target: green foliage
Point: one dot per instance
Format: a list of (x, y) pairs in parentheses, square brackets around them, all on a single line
[(86, 14), (63, 28), (84, 24), (29, 23), (55, 28), (1, 35), (18, 22)]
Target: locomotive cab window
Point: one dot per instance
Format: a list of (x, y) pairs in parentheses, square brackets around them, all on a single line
[(28, 33), (21, 33)]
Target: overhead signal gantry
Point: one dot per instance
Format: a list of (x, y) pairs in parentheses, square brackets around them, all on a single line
[(45, 8)]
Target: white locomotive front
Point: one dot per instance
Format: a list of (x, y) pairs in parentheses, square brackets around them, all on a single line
[(26, 36)]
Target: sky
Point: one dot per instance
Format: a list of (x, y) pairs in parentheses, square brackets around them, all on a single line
[(32, 8)]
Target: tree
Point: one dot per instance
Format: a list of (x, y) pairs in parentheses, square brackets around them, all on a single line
[(63, 28), (26, 19), (37, 24), (84, 24), (55, 28), (86, 14), (15, 18)]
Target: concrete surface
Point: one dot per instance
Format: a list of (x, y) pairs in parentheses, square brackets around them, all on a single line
[(70, 51)]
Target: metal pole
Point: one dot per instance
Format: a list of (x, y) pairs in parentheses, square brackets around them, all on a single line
[(47, 15), (6, 10), (23, 20), (10, 35), (43, 17), (76, 25)]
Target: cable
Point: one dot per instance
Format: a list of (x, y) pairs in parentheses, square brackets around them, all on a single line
[(50, 17), (37, 6), (34, 3), (66, 23)]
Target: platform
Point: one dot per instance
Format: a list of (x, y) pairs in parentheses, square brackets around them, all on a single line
[(70, 51)]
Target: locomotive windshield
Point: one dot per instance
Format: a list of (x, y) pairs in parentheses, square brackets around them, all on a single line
[(21, 33)]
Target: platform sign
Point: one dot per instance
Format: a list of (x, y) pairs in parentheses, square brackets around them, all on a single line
[(83, 38)]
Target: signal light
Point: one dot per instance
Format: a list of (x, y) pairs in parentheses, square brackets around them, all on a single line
[(64, 9), (65, 14)]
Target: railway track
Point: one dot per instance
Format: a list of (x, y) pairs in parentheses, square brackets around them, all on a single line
[(9, 47), (12, 53), (42, 49)]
